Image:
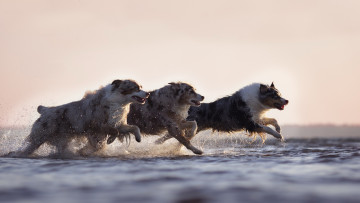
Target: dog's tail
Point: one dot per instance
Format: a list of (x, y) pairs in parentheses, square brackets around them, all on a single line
[(41, 109)]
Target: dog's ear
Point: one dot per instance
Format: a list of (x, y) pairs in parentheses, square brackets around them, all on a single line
[(272, 85), (263, 89), (174, 85), (115, 84)]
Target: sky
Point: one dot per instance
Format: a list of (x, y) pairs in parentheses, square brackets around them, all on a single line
[(52, 52)]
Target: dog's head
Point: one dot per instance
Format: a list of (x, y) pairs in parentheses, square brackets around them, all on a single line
[(271, 97), (185, 94), (130, 90)]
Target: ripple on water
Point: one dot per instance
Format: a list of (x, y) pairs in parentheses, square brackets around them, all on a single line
[(299, 170)]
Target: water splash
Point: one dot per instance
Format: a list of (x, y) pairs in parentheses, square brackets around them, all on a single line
[(13, 139)]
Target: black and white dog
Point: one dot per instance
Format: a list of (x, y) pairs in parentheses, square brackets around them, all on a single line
[(244, 110)]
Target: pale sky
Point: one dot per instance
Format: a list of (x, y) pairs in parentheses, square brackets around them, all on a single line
[(51, 52)]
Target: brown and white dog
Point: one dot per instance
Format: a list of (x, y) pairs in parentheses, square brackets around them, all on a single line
[(98, 114), (244, 110), (166, 111)]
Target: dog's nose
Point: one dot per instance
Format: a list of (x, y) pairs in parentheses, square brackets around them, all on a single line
[(202, 98), (286, 102)]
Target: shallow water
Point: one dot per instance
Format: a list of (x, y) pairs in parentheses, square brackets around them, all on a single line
[(232, 169)]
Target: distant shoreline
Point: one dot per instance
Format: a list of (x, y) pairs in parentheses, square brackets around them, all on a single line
[(321, 131)]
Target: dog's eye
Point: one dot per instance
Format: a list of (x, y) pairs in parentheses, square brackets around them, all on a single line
[(192, 91)]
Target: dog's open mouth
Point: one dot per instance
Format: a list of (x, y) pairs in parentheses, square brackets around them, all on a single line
[(196, 103), (139, 99), (279, 106)]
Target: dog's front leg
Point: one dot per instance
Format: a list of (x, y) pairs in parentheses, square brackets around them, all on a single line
[(109, 130), (266, 129), (176, 132), (190, 128), (273, 122), (133, 129)]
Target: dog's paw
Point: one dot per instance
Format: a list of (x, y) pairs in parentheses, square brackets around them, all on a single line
[(278, 129), (277, 135), (196, 150), (280, 137), (138, 138)]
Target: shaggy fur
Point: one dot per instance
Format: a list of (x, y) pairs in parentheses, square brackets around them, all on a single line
[(244, 110), (166, 110), (98, 114)]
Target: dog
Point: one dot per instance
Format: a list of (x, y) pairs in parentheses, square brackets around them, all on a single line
[(244, 110), (98, 114), (166, 110)]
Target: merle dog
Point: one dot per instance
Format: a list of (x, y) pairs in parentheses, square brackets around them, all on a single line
[(98, 114), (166, 110)]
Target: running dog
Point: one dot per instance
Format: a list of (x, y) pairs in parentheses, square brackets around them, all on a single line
[(98, 114), (166, 110), (244, 110)]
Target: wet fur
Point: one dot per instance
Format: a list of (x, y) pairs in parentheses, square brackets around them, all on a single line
[(244, 110), (166, 111), (96, 115)]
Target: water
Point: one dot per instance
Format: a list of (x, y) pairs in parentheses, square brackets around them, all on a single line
[(232, 169)]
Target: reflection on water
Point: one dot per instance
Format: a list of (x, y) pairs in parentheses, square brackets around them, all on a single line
[(232, 169)]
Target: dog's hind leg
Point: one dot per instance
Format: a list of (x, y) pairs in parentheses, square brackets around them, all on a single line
[(89, 149), (95, 144), (40, 133), (61, 144), (34, 143)]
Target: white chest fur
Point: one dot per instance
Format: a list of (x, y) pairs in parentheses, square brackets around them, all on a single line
[(181, 110), (118, 114), (250, 95)]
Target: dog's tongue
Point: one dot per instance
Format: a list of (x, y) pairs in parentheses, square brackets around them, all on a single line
[(283, 106)]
